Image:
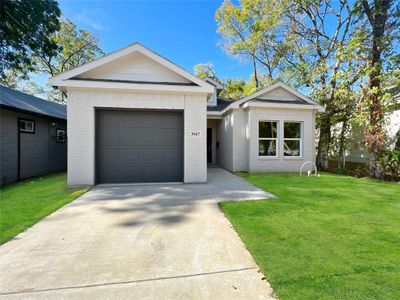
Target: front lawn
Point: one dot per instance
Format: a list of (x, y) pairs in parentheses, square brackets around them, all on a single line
[(25, 203), (328, 237)]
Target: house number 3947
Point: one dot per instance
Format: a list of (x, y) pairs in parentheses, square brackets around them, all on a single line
[(195, 133)]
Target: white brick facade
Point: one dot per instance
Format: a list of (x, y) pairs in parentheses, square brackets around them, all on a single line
[(81, 127), (281, 163), (238, 138)]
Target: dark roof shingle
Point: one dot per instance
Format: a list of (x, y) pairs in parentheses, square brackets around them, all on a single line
[(16, 100), (221, 105)]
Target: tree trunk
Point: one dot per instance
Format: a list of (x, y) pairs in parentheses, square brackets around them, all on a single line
[(375, 135), (342, 148), (255, 73), (324, 143)]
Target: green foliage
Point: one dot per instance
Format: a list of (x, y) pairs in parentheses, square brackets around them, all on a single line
[(389, 161), (318, 45), (397, 143), (205, 70), (233, 88), (25, 31), (27, 202), (237, 88), (76, 47), (244, 29), (328, 237)]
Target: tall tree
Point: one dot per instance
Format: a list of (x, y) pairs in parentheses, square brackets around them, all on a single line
[(25, 29), (301, 41), (380, 33), (77, 47)]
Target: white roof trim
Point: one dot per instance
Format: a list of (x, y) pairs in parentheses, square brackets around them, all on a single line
[(273, 87), (61, 79), (317, 107), (214, 82), (237, 104), (133, 87)]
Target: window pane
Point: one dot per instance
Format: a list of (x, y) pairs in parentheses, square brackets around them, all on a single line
[(267, 148), (60, 136), (267, 129), (292, 130), (291, 148), (26, 126)]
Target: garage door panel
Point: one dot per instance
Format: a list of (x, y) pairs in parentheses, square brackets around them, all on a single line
[(170, 121), (132, 172), (110, 154), (139, 146), (129, 137), (160, 173), (172, 136), (131, 155), (109, 137), (171, 155), (152, 137), (153, 155)]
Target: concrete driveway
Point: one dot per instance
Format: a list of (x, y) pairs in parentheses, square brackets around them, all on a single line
[(137, 242)]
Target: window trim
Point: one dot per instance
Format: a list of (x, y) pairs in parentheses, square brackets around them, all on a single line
[(277, 142), (26, 120), (301, 139), (65, 135)]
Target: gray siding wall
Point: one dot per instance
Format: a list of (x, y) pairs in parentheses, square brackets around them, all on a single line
[(40, 154), (8, 147), (225, 140)]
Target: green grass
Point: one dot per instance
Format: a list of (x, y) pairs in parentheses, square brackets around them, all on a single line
[(25, 203), (328, 237)]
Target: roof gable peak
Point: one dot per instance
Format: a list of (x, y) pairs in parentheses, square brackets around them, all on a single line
[(71, 77)]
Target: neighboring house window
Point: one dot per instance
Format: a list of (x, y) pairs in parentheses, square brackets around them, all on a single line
[(292, 135), (60, 136), (267, 138), (27, 126)]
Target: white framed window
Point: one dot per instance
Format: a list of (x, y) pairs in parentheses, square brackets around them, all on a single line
[(292, 139), (61, 136), (268, 139), (26, 126)]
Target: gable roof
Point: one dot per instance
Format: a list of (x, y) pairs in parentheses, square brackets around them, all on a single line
[(215, 83), (221, 104), (301, 99), (18, 101), (71, 79)]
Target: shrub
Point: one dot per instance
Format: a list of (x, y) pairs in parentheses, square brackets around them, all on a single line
[(390, 162)]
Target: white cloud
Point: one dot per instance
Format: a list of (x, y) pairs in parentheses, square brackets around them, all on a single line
[(92, 18)]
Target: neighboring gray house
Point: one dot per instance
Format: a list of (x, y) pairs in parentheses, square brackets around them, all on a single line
[(135, 116), (32, 136)]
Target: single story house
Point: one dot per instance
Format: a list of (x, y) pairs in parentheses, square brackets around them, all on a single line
[(135, 116), (33, 136)]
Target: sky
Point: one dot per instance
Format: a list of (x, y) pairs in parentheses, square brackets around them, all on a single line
[(182, 31)]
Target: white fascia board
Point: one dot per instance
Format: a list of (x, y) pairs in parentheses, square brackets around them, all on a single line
[(213, 82), (316, 107), (272, 87), (211, 115), (214, 113), (60, 79), (131, 86)]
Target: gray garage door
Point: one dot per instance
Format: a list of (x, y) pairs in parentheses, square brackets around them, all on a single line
[(139, 146)]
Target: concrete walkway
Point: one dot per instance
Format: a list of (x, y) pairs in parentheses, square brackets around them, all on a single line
[(137, 242)]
